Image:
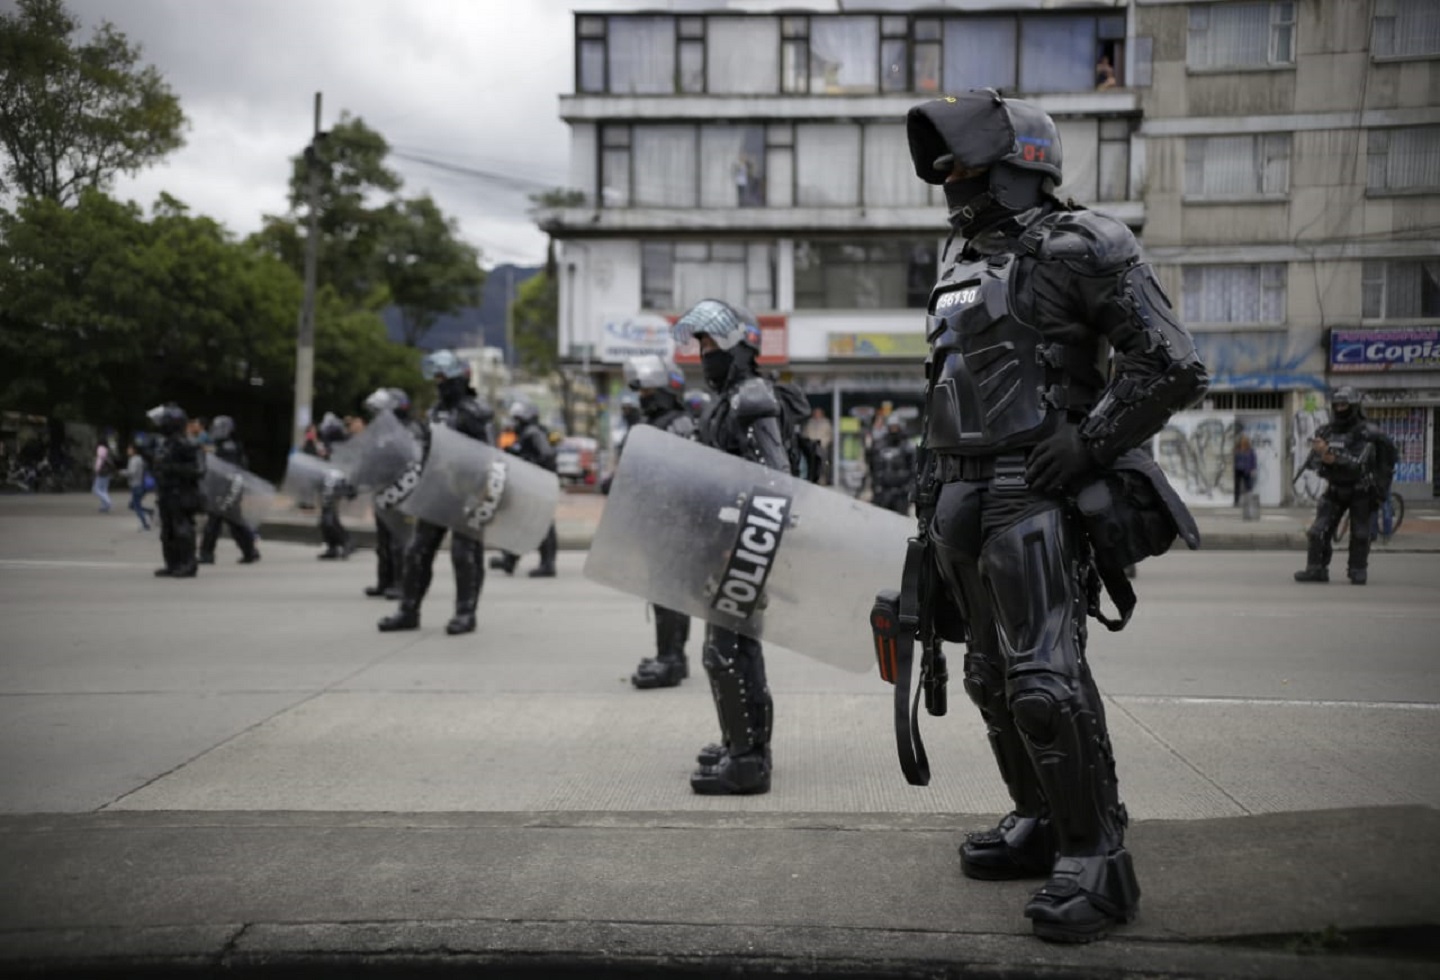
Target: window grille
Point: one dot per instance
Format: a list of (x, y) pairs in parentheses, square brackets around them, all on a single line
[(1246, 401)]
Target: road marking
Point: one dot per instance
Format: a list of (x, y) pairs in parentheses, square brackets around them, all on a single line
[(58, 563), (1276, 702)]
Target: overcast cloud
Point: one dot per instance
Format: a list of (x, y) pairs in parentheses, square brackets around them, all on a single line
[(474, 83)]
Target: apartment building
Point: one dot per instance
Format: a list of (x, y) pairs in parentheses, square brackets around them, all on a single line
[(1281, 166)]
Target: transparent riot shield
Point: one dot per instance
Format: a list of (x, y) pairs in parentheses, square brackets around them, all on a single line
[(747, 548), (235, 494), (378, 455), (311, 482), (476, 490)]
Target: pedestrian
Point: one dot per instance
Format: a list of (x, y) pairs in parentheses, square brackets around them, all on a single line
[(137, 475), (1019, 418), (532, 444), (178, 463), (1244, 467), (819, 429), (1357, 462), (457, 408), (754, 418), (661, 387), (104, 470), (227, 446)]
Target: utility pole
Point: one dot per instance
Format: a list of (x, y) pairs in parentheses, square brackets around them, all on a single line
[(305, 350), (510, 317)]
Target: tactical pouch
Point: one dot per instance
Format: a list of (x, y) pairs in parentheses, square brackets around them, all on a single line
[(1124, 518)]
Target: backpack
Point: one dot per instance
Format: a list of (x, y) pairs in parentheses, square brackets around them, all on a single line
[(1385, 458), (806, 460)]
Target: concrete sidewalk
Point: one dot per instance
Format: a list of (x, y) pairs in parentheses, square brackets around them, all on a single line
[(1221, 528)]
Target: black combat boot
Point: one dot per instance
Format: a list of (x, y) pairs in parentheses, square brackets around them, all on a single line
[(734, 775), (1019, 847), (376, 591), (462, 622), (407, 617), (544, 571), (1358, 576), (205, 558), (1313, 573), (249, 559), (1085, 897), (504, 562), (662, 671)]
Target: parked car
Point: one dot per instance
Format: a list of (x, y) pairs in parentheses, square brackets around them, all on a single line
[(577, 460)]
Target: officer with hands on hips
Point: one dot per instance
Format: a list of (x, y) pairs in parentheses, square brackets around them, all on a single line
[(1357, 462), (178, 463), (661, 387), (749, 419), (227, 447), (460, 409), (532, 444), (1019, 416)]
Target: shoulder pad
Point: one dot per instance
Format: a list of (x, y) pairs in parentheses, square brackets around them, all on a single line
[(754, 399), (1089, 242)]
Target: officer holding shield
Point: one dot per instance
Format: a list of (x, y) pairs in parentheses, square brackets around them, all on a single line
[(1020, 417), (331, 432), (228, 448), (392, 534), (178, 463), (532, 444), (457, 408), (661, 385)]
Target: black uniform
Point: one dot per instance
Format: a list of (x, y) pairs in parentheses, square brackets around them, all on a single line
[(393, 531), (669, 666), (532, 444), (231, 451), (459, 409), (178, 463), (1019, 417), (892, 472), (335, 489), (1353, 482)]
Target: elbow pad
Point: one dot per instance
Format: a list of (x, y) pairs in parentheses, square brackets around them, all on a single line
[(1158, 372), (754, 400), (767, 444)]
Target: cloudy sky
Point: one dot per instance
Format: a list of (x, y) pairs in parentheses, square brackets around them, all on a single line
[(470, 83)]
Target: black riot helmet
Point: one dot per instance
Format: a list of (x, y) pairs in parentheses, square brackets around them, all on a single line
[(222, 427), (1012, 146), (734, 330), (1345, 405), (169, 419)]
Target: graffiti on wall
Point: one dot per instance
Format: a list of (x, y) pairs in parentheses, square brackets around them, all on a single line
[(1308, 486), (1196, 450), (1264, 361)]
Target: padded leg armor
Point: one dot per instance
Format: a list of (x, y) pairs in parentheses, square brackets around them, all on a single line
[(736, 666), (1031, 570), (1023, 844), (385, 565), (415, 582), (244, 539), (333, 533), (668, 667), (209, 538), (467, 558), (548, 549), (1319, 549), (177, 542), (1361, 508), (505, 562)]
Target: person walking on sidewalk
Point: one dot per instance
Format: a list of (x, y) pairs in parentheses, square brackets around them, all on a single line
[(137, 475), (104, 470), (1244, 467), (1357, 462), (1020, 422)]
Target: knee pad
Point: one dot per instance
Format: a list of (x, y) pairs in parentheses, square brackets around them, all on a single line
[(1035, 714)]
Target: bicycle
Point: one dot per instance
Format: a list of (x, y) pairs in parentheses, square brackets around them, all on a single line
[(1385, 520)]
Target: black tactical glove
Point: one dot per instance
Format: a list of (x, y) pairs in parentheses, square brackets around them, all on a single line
[(1058, 461)]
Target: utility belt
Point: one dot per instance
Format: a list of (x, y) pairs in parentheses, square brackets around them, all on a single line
[(1003, 470)]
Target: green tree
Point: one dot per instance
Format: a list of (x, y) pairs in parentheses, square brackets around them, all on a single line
[(536, 318), (73, 114), (428, 269)]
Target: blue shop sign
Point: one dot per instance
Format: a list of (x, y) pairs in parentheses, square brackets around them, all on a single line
[(1407, 349)]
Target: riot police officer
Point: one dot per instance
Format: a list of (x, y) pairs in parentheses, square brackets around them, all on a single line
[(750, 419), (661, 386), (392, 532), (457, 408), (178, 464), (1357, 462), (335, 488), (229, 448), (892, 468), (1019, 416), (532, 444)]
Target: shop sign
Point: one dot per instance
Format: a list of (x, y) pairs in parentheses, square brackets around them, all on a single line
[(774, 342), (623, 337), (1408, 349), (878, 345)]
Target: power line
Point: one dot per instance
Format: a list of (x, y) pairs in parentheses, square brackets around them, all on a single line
[(518, 183)]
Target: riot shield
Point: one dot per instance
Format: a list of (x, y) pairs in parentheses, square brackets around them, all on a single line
[(747, 548), (311, 482), (378, 455), (235, 494), (479, 491)]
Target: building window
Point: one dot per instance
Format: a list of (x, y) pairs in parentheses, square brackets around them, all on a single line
[(1241, 35), (1229, 294), (844, 55), (925, 65), (872, 275), (827, 165), (677, 275), (980, 53), (1404, 159), (590, 54), (1114, 160), (1057, 54), (889, 173), (641, 55), (665, 166), (1400, 290), (894, 54), (794, 53), (1223, 167), (615, 166), (732, 167), (1406, 29), (780, 165), (690, 53), (742, 56)]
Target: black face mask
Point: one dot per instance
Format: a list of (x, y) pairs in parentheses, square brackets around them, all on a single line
[(715, 365), (963, 193), (452, 390), (649, 403)]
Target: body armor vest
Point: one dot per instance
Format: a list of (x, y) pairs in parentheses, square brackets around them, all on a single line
[(993, 380), (893, 467)]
